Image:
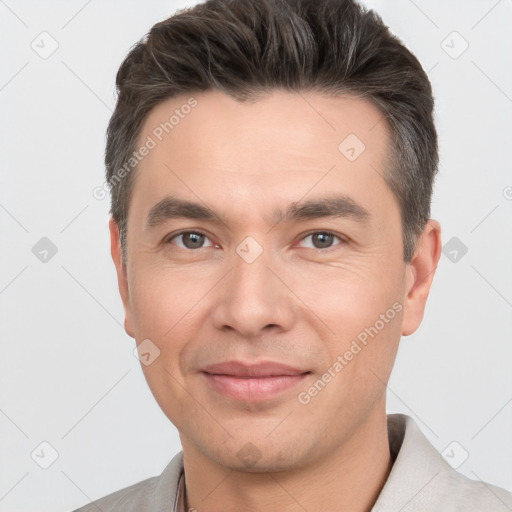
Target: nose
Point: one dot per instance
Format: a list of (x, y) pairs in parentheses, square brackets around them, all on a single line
[(254, 297)]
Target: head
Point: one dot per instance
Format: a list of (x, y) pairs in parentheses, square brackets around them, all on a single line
[(303, 133)]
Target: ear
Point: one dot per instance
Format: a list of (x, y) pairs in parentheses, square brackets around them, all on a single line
[(122, 279), (419, 275)]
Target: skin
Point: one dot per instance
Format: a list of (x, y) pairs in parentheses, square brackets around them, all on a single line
[(299, 302)]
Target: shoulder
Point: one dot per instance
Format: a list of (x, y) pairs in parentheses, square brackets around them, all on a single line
[(472, 495), (422, 480), (156, 493), (129, 499)]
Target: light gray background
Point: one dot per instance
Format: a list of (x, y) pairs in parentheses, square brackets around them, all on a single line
[(68, 375)]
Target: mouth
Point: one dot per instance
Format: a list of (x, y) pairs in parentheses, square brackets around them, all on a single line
[(252, 383)]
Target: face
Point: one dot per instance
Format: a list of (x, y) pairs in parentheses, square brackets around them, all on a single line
[(271, 311)]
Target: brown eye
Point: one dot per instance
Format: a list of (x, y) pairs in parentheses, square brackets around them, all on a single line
[(190, 240), (322, 240)]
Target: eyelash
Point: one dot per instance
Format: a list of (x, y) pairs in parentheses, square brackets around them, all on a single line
[(323, 232)]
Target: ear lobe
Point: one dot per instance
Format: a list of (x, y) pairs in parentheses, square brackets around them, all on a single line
[(420, 273), (121, 270)]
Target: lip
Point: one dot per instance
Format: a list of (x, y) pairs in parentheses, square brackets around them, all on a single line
[(261, 369), (252, 382)]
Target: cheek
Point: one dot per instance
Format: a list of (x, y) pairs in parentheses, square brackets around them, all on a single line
[(361, 356), (162, 301), (163, 312), (360, 315), (349, 298)]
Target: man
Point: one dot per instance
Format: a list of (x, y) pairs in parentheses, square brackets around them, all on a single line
[(271, 166)]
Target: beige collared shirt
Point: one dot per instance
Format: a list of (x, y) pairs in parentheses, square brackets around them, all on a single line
[(420, 481), (180, 498)]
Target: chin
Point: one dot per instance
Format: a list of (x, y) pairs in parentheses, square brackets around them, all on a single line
[(258, 454)]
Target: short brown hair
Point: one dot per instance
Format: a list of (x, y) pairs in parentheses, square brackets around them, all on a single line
[(246, 48)]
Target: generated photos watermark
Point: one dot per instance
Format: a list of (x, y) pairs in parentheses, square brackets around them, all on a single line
[(356, 346), (157, 135)]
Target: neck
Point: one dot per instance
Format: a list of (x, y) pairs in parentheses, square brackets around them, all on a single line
[(347, 478)]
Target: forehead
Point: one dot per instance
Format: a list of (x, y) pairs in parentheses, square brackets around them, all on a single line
[(227, 152), (305, 117)]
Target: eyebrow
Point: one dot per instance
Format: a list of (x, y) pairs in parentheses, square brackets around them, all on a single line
[(332, 206)]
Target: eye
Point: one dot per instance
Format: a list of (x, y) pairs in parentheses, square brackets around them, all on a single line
[(190, 240), (322, 240)]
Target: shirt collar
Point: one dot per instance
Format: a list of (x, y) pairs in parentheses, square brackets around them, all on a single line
[(179, 505)]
